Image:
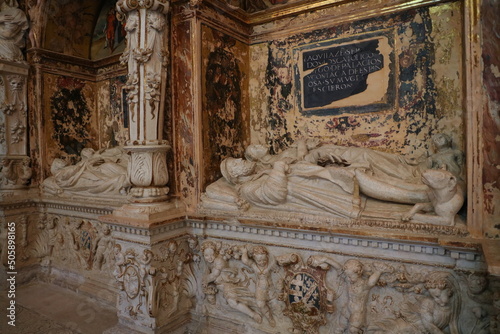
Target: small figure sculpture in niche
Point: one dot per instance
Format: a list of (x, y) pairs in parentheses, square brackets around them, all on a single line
[(103, 172), (343, 182), (436, 312), (221, 277), (352, 317), (262, 266), (13, 24)]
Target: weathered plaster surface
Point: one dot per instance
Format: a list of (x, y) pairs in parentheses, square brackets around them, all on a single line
[(113, 119), (69, 26), (184, 113), (491, 133), (70, 117), (224, 109), (429, 88)]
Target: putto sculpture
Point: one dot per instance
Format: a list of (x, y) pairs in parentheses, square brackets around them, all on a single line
[(346, 182)]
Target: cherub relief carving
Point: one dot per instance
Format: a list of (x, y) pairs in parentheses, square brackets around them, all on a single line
[(435, 312), (221, 277), (353, 317), (258, 258)]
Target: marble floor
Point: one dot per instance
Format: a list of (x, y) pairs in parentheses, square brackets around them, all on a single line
[(46, 309)]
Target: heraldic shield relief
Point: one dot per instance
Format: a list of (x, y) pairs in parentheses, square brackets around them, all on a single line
[(305, 295)]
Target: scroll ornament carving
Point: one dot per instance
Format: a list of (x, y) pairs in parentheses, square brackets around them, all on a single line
[(155, 284), (435, 311), (343, 181)]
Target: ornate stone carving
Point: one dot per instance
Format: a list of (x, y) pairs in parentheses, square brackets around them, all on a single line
[(146, 55), (15, 171), (155, 284), (353, 317), (13, 25), (432, 312), (97, 173), (343, 182), (230, 281), (80, 244), (306, 297)]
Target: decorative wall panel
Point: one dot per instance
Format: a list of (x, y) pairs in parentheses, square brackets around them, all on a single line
[(224, 113), (428, 87)]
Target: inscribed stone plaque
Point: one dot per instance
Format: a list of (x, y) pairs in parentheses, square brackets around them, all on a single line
[(346, 76)]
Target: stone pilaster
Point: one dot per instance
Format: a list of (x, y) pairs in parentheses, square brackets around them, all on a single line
[(15, 170), (146, 56)]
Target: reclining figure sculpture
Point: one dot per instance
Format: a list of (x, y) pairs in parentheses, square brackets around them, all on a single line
[(348, 182)]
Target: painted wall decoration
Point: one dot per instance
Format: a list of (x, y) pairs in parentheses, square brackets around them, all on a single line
[(69, 26), (70, 117), (491, 129), (109, 33), (345, 76), (427, 86), (224, 100), (113, 112)]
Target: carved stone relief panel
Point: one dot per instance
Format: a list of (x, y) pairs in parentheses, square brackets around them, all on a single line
[(272, 288), (158, 285), (75, 244)]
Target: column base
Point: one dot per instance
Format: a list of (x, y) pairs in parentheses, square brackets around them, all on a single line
[(149, 212)]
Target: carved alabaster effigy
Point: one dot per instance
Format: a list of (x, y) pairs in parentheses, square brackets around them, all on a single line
[(344, 182), (102, 173)]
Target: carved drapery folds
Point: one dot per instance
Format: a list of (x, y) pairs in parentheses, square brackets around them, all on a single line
[(146, 56)]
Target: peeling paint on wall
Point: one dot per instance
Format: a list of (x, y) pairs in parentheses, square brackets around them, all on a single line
[(71, 117), (183, 117), (428, 87), (113, 116), (491, 121), (223, 112)]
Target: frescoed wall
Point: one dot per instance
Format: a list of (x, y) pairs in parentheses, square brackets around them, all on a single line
[(224, 109), (69, 26), (491, 128), (428, 85), (113, 112), (109, 33), (71, 122)]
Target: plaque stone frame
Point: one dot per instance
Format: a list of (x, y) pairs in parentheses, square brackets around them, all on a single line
[(346, 75)]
